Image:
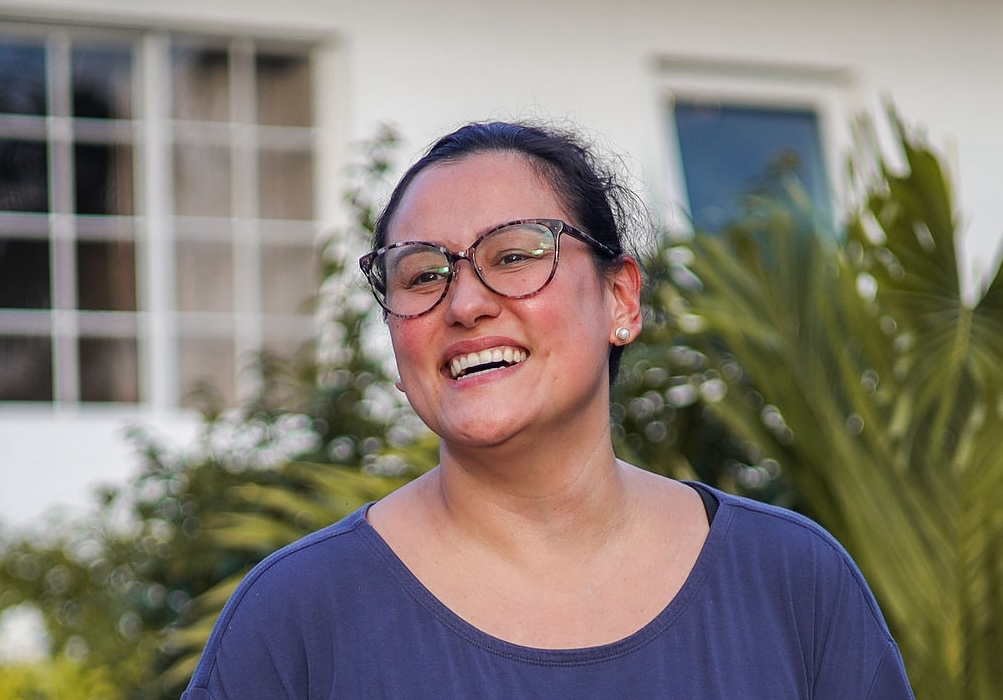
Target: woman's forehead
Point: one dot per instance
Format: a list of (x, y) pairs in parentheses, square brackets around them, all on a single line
[(463, 198)]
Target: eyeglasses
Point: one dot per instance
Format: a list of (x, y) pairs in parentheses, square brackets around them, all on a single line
[(514, 260)]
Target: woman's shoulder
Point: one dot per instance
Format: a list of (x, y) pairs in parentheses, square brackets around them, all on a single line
[(787, 577), (752, 519), (274, 616), (324, 560), (785, 549), (315, 546)]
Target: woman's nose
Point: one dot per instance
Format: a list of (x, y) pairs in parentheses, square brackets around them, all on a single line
[(468, 299)]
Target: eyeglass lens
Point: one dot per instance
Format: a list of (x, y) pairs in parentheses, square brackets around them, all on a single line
[(513, 261)]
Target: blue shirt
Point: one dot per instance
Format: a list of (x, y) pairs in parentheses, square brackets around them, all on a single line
[(774, 608)]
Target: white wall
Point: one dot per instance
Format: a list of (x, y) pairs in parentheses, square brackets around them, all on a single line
[(429, 66), (52, 464)]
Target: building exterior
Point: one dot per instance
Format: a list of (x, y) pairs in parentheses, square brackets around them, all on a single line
[(167, 169)]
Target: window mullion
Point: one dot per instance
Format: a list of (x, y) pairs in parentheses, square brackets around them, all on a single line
[(246, 248), (158, 321), (65, 323)]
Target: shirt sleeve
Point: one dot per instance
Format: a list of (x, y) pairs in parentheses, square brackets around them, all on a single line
[(267, 641), (263, 649), (856, 657)]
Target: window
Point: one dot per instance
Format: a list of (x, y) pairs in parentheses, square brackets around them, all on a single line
[(728, 149), (156, 211), (731, 127)]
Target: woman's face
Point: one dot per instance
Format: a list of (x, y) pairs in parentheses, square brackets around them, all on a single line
[(554, 345)]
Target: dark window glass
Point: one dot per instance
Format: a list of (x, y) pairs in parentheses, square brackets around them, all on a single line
[(207, 362), (24, 176), (22, 78), (202, 185), (25, 368), (108, 370), (283, 89), (106, 276), (102, 83), (288, 279), (204, 280), (728, 151), (285, 184), (201, 83), (103, 177), (24, 274)]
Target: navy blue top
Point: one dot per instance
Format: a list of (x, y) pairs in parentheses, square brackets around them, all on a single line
[(774, 608)]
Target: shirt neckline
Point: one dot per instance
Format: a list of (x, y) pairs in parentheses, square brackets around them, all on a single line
[(672, 611)]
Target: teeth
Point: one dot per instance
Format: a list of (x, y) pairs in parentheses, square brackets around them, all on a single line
[(507, 355)]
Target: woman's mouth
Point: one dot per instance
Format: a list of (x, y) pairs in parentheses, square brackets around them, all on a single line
[(489, 360)]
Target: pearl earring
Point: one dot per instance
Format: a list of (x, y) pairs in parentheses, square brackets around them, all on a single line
[(623, 334)]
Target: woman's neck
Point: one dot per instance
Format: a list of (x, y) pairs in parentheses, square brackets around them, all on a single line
[(561, 498)]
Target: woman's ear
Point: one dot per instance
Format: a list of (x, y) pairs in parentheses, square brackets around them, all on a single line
[(625, 302)]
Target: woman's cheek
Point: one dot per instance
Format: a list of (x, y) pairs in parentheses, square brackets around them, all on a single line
[(409, 339)]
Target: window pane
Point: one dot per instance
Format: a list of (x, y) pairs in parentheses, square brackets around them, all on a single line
[(207, 361), (25, 368), (204, 276), (289, 279), (103, 181), (22, 78), (24, 274), (106, 275), (108, 370), (727, 151), (102, 83), (283, 89), (201, 180), (285, 184), (201, 83), (24, 176)]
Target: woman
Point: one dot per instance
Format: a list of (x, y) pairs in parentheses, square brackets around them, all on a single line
[(532, 563)]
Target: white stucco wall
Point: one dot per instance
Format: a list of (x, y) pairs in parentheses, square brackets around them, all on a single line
[(429, 66), (52, 463)]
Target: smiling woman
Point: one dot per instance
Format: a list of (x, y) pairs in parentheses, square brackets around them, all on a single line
[(532, 562)]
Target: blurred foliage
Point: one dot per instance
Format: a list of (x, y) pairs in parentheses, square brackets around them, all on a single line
[(843, 377), (860, 383), (59, 680)]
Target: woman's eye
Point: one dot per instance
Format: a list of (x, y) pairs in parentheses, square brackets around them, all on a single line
[(514, 257), (425, 278), (510, 258)]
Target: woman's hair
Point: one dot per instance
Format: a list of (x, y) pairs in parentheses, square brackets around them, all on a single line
[(590, 189)]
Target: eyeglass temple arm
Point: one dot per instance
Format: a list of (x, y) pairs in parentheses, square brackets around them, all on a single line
[(581, 235)]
